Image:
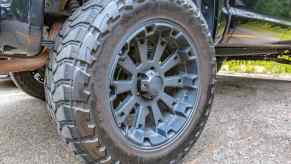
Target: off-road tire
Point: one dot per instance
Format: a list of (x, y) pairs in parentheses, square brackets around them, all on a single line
[(77, 67), (27, 83)]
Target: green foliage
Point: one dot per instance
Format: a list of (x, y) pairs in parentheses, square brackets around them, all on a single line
[(279, 8), (284, 33), (251, 66)]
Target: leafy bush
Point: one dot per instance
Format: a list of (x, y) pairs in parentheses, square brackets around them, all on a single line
[(279, 8)]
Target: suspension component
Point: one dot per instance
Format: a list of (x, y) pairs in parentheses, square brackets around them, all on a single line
[(21, 64), (16, 64)]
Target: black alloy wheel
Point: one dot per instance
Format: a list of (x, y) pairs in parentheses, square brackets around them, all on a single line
[(154, 83)]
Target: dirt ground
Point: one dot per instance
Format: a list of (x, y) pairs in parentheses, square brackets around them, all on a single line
[(250, 124)]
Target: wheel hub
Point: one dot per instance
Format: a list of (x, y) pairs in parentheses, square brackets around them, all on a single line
[(150, 85)]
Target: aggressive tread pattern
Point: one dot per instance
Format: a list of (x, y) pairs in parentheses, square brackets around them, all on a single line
[(69, 83)]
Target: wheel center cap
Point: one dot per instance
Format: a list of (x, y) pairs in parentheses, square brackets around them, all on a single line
[(150, 85)]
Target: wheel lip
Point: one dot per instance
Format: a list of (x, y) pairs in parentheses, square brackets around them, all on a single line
[(113, 65)]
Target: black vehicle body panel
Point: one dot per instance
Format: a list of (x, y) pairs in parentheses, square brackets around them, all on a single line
[(235, 25), (21, 23)]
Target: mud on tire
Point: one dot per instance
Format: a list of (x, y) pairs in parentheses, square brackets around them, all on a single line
[(77, 82)]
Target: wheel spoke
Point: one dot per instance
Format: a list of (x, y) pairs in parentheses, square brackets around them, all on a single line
[(168, 100), (158, 117), (157, 139), (136, 135), (143, 50), (170, 63), (180, 39), (186, 55), (122, 86), (126, 63), (140, 121), (181, 81), (124, 109), (151, 30), (181, 108), (161, 46), (189, 81), (173, 81)]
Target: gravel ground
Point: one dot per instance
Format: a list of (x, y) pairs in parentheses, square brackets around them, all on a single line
[(250, 124)]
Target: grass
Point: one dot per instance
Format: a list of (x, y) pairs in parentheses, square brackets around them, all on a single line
[(259, 66), (284, 33), (265, 67), (262, 67)]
